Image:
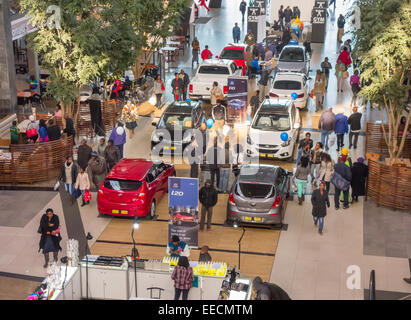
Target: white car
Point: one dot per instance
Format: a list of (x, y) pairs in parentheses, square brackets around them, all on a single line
[(286, 83), (209, 71), (273, 118)]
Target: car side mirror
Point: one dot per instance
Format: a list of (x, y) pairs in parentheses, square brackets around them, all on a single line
[(296, 126), (154, 124)]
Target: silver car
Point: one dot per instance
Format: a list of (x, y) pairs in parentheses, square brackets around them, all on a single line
[(258, 195), (294, 58)]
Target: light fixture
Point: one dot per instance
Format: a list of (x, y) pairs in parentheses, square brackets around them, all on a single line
[(88, 237), (136, 224), (235, 224)]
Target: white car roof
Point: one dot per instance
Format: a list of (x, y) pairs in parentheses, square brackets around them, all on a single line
[(217, 62)]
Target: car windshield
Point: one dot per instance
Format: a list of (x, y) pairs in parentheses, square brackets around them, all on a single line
[(122, 185), (287, 85), (232, 54), (271, 122), (213, 70), (172, 120), (292, 55), (256, 190)]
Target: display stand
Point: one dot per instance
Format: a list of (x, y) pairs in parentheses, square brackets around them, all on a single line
[(319, 21)]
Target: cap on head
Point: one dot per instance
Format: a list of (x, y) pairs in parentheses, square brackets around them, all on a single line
[(344, 151)]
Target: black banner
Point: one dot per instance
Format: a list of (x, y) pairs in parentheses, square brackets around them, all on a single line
[(262, 5), (321, 4), (252, 20), (319, 16)]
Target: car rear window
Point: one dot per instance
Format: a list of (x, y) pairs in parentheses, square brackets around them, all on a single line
[(232, 54), (292, 55), (122, 185), (213, 70), (287, 85), (256, 190)]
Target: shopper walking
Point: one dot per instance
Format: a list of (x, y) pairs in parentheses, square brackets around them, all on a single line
[(304, 147), (216, 93), (68, 175), (254, 102), (355, 127), (206, 54), (286, 36), (301, 177), (320, 83), (97, 169), (249, 39), (208, 198), (326, 170), (320, 202), (82, 184), (281, 17), (183, 278), (225, 169), (340, 25), (186, 80), (69, 129), (236, 33), (325, 69), (177, 86), (327, 125), (359, 172), (50, 236), (341, 128), (158, 90), (339, 73), (355, 87), (345, 57), (195, 51), (248, 57), (129, 116), (177, 248), (118, 136), (243, 8), (341, 181), (288, 14), (111, 154), (263, 83), (83, 154), (268, 291), (316, 154), (194, 157)]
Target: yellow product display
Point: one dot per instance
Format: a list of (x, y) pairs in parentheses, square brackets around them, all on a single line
[(208, 268)]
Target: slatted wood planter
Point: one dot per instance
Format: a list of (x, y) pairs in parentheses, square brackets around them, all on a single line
[(375, 142), (84, 126), (108, 113), (389, 186), (35, 162)]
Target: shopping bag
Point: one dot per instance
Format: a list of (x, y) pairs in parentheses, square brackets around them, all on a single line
[(77, 193), (56, 186), (331, 139), (312, 94), (87, 195)]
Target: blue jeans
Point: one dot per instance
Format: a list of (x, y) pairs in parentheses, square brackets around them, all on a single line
[(321, 225), (324, 137), (300, 152), (300, 187), (69, 188), (224, 178), (121, 148)]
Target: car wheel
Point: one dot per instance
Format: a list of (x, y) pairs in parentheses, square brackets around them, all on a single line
[(153, 209)]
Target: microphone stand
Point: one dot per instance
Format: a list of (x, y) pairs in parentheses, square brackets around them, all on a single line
[(134, 255), (239, 248), (88, 237)]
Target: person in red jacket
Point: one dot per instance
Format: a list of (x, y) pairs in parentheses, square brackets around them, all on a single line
[(206, 54), (204, 4), (345, 57)]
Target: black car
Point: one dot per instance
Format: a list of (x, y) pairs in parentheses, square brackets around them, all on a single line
[(175, 127)]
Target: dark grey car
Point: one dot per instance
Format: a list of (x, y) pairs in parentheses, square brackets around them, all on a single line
[(258, 195), (294, 58)]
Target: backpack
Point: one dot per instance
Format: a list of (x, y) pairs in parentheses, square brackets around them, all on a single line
[(339, 182)]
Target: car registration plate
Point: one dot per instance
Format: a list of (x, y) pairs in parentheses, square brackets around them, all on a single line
[(119, 211), (168, 148), (257, 219), (115, 211), (266, 155)]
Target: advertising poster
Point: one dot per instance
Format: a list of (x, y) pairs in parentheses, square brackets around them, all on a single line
[(183, 209), (252, 20), (237, 100)]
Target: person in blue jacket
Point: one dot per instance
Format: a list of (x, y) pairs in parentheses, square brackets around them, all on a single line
[(255, 67), (236, 33), (177, 248), (341, 128)]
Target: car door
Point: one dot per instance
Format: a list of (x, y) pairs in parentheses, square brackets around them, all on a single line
[(152, 184), (293, 119), (282, 186), (162, 178), (307, 61)]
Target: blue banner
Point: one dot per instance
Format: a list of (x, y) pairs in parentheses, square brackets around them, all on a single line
[(183, 209), (237, 100)]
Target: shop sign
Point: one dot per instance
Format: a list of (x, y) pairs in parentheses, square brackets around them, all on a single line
[(318, 16), (260, 4), (321, 4), (237, 100), (21, 27), (183, 209), (253, 14)]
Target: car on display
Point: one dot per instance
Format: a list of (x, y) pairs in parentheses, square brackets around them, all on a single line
[(286, 83), (294, 58), (134, 187), (272, 40), (174, 128), (209, 71), (258, 195), (273, 120), (236, 53)]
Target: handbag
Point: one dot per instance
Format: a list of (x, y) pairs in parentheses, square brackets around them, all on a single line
[(39, 230), (344, 74), (87, 195), (45, 139), (339, 182), (162, 86), (57, 185), (31, 132), (331, 139), (77, 193)]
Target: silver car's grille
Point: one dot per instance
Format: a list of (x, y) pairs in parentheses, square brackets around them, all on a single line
[(269, 146), (267, 150)]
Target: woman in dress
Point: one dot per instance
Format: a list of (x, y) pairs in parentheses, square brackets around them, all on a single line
[(50, 235), (129, 116)]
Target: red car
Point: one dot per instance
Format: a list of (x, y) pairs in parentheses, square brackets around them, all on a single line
[(235, 52), (134, 187)]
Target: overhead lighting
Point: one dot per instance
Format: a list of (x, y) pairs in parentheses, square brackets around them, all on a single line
[(136, 225)]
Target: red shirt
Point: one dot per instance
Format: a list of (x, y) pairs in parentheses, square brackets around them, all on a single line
[(183, 277), (206, 54), (345, 57)]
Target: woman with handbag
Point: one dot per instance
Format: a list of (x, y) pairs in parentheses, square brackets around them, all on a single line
[(83, 184), (183, 278), (50, 235), (158, 90), (326, 170), (216, 93), (129, 116), (301, 178), (43, 131), (341, 74)]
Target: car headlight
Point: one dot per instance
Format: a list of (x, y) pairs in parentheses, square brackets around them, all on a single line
[(187, 139), (286, 143), (249, 139)]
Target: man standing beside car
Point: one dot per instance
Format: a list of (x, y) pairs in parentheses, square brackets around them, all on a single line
[(208, 197), (305, 146)]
